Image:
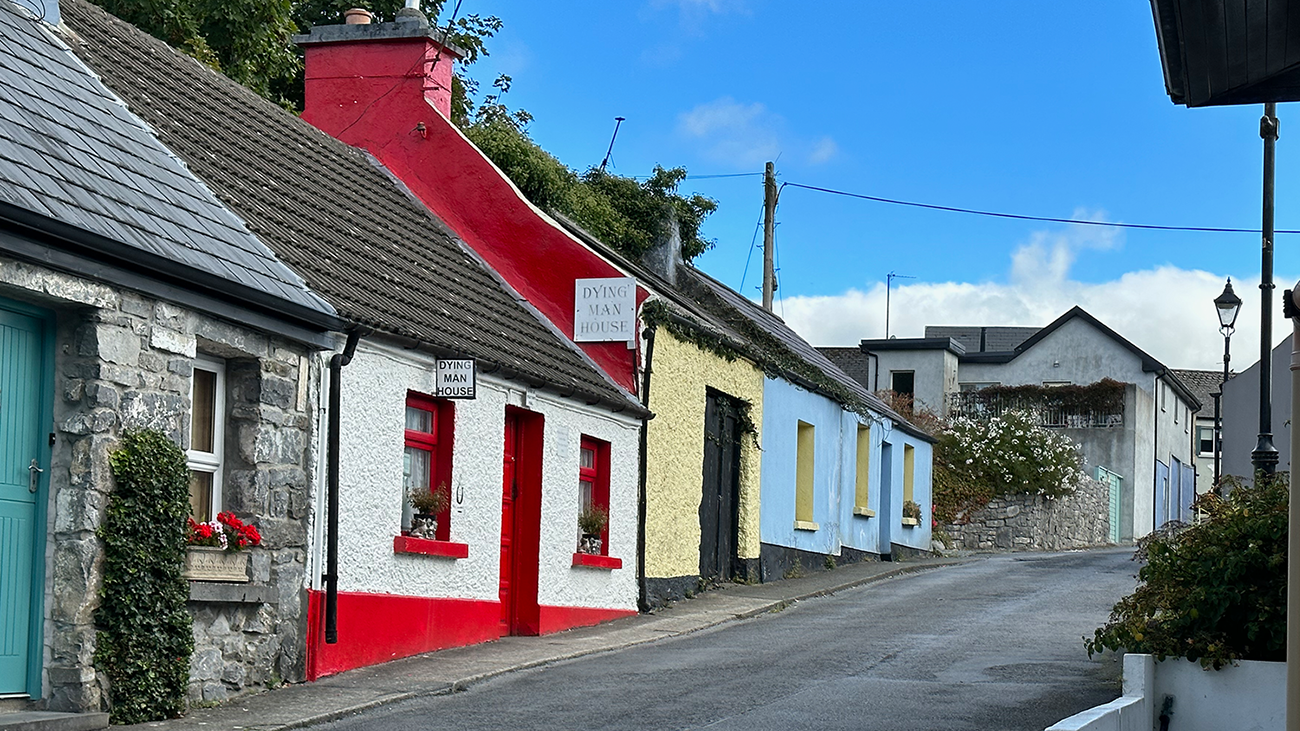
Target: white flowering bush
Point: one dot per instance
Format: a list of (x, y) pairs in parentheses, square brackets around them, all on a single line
[(978, 460)]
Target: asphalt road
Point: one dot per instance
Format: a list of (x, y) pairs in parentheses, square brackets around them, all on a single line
[(994, 644)]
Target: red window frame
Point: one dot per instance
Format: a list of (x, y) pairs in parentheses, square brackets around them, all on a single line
[(598, 475), (438, 442)]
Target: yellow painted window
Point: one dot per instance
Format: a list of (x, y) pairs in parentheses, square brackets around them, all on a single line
[(864, 466), (803, 500), (909, 471)]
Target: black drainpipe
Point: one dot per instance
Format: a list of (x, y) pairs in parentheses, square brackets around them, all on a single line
[(331, 576), (643, 588)]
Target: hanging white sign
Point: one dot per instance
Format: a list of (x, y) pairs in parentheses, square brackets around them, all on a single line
[(454, 379), (604, 310)]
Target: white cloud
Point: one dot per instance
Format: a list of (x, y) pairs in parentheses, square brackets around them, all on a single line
[(746, 135), (1167, 311), (824, 150)]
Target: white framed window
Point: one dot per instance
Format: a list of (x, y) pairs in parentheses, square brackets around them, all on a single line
[(207, 437)]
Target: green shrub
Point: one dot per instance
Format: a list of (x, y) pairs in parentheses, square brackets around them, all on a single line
[(145, 636), (1215, 591), (978, 460)]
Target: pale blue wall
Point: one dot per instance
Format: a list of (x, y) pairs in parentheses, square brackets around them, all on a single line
[(835, 477), (784, 406), (919, 536)]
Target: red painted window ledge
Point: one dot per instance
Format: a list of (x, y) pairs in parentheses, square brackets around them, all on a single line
[(428, 547), (597, 562)]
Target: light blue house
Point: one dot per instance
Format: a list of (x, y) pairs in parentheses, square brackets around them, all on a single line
[(837, 463)]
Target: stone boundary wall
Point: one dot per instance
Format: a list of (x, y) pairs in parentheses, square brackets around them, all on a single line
[(1036, 523)]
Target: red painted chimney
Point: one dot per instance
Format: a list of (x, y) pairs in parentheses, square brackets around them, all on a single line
[(351, 66)]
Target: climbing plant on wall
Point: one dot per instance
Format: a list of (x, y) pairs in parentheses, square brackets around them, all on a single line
[(145, 637), (978, 460)]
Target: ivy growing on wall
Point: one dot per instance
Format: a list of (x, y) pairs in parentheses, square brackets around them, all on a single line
[(145, 636)]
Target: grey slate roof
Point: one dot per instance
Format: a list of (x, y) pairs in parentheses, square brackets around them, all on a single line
[(996, 339), (726, 303), (711, 307), (1201, 383), (335, 215), (852, 361), (70, 151)]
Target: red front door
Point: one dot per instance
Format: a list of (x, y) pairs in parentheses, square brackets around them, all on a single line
[(509, 489), (521, 519)]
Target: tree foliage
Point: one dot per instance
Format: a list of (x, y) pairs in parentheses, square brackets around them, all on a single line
[(145, 637), (1214, 591), (623, 212), (251, 40)]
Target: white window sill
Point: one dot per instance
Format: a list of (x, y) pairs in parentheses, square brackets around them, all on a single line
[(864, 512), (805, 525)]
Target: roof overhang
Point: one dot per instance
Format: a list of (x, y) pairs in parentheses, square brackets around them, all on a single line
[(1220, 52), (873, 346)]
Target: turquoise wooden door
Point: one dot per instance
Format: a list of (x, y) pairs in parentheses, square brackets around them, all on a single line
[(22, 378)]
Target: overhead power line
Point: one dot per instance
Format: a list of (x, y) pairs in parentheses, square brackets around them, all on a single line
[(1023, 217)]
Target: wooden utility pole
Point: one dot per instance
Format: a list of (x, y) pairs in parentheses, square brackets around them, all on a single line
[(769, 235)]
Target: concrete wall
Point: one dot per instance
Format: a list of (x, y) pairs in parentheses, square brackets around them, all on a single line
[(1250, 696), (1241, 411), (675, 454), (934, 371), (1076, 352), (1036, 523), (125, 361), (1115, 448), (1144, 461), (375, 387), (784, 406)]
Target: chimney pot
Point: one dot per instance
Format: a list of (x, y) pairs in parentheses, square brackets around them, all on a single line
[(357, 16)]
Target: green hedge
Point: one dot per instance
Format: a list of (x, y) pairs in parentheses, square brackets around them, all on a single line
[(1215, 591), (145, 635)]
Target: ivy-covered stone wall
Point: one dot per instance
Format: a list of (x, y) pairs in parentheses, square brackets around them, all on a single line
[(1039, 523)]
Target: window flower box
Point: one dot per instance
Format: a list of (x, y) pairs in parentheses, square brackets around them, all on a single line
[(911, 522), (211, 563), (597, 562)]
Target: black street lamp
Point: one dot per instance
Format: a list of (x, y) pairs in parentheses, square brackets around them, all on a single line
[(1264, 458), (1229, 305)]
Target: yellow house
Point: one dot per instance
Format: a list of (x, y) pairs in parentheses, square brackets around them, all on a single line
[(702, 465)]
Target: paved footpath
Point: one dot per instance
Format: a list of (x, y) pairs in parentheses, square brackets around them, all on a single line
[(446, 671)]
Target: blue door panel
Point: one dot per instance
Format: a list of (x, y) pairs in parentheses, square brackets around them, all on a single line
[(23, 380)]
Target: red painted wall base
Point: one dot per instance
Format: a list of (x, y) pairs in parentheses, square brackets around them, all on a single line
[(558, 619), (376, 628)]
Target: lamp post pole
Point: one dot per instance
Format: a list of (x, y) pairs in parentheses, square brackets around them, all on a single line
[(1218, 416), (1264, 458), (1228, 305)]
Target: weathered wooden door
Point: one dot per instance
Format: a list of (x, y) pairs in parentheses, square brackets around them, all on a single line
[(22, 379), (720, 500)]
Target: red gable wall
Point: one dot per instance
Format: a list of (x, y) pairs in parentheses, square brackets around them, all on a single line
[(390, 97)]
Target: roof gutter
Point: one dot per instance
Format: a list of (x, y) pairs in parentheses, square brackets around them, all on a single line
[(587, 396)]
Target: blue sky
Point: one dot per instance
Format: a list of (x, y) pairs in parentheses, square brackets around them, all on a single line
[(1052, 109)]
